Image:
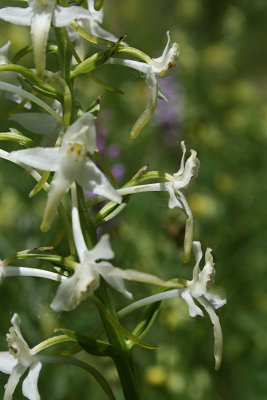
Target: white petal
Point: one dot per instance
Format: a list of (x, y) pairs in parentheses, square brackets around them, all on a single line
[(102, 250), (217, 330), (204, 280), (59, 186), (174, 200), (91, 178), (116, 282), (96, 15), (189, 227), (193, 309), (182, 180), (13, 380), (83, 132), (29, 386), (76, 226), (168, 59), (75, 289), (39, 30), (198, 255), (98, 31), (63, 16), (215, 300), (7, 362), (4, 52), (39, 123), (181, 170), (16, 15), (46, 159)]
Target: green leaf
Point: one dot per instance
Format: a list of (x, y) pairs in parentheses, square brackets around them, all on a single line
[(149, 316), (119, 327), (96, 60), (100, 379), (110, 210), (92, 346)]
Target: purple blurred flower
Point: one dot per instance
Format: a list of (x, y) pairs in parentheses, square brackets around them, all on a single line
[(169, 114)]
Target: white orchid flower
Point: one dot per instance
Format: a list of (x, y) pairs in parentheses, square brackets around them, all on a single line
[(93, 265), (153, 68), (10, 76), (196, 290), (177, 182), (15, 362), (181, 180), (39, 16), (70, 162)]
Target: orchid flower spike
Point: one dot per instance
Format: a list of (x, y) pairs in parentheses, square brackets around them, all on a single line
[(198, 289), (39, 16), (93, 265), (181, 180), (70, 162), (15, 362), (153, 68)]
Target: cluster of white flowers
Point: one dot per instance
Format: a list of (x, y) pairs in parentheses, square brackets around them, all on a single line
[(72, 161)]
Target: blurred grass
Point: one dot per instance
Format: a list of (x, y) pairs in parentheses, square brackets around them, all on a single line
[(222, 101)]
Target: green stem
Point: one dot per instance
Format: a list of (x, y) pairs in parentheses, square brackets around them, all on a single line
[(123, 360), (87, 225)]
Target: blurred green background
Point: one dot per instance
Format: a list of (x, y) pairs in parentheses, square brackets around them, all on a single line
[(218, 106)]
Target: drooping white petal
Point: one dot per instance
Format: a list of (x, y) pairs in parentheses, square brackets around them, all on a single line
[(76, 226), (40, 27), (91, 178), (63, 16), (193, 309), (59, 186), (75, 289), (102, 250), (7, 362), (217, 330), (46, 159), (29, 386), (17, 15), (174, 200), (13, 380)]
